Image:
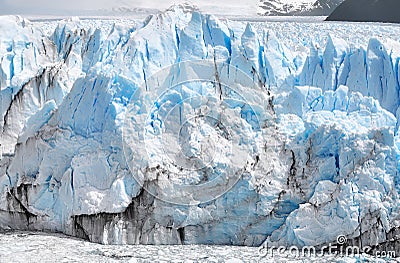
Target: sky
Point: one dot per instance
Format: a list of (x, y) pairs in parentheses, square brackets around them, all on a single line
[(54, 7)]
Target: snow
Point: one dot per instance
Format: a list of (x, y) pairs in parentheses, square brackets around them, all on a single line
[(297, 7), (185, 128)]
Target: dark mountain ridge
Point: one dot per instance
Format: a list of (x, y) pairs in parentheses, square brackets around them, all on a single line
[(367, 11)]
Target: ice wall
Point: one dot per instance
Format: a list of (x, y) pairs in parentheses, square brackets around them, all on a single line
[(91, 120)]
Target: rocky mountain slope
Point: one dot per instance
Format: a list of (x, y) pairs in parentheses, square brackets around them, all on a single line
[(367, 11), (297, 8)]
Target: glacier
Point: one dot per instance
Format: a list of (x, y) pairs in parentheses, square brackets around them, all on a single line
[(186, 128)]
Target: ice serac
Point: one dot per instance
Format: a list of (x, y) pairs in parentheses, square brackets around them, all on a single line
[(320, 136), (372, 71)]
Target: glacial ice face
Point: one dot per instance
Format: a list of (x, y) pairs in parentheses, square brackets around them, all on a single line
[(372, 72), (95, 124)]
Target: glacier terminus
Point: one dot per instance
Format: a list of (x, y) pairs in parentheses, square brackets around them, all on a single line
[(187, 128)]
